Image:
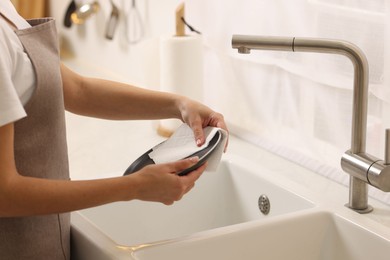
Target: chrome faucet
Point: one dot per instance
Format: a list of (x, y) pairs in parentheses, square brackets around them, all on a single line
[(363, 168)]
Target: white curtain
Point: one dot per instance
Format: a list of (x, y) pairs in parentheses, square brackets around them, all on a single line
[(297, 104)]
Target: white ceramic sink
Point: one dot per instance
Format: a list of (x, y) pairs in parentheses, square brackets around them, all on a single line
[(317, 235), (219, 199), (220, 219)]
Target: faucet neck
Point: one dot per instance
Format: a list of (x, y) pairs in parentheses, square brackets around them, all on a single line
[(244, 43), (360, 82)]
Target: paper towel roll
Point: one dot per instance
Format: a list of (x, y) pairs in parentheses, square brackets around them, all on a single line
[(181, 72)]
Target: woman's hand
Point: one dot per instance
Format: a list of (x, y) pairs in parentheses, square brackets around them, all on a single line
[(161, 183), (198, 116)]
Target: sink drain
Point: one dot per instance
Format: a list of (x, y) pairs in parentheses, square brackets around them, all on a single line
[(264, 204)]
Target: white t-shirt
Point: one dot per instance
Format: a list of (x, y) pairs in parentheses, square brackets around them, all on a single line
[(17, 77)]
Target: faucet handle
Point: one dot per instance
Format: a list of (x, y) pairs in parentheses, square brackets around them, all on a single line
[(387, 147)]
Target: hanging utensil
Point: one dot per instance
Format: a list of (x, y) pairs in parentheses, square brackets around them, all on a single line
[(112, 22), (71, 8), (82, 13), (134, 25)]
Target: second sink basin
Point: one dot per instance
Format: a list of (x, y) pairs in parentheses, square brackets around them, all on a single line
[(229, 196), (315, 235)]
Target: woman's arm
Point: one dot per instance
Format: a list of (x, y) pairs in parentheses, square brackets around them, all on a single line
[(113, 100), (24, 196)]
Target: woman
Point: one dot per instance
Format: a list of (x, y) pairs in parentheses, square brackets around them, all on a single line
[(36, 194)]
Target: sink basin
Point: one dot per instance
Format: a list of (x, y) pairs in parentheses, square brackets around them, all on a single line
[(226, 197), (220, 219), (316, 235)]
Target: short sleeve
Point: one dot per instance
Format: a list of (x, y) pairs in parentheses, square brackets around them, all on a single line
[(11, 107)]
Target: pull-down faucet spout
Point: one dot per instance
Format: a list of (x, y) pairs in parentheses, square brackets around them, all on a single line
[(361, 166)]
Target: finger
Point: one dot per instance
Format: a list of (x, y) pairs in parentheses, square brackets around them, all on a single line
[(217, 120), (178, 166), (168, 203), (222, 125), (190, 179), (197, 129), (189, 187), (194, 175)]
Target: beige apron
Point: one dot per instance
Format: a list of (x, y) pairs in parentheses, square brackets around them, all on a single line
[(40, 151)]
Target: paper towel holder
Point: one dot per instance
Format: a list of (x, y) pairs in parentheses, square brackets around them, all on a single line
[(182, 82), (180, 26), (181, 22)]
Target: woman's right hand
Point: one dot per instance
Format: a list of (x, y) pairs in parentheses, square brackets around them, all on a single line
[(161, 182)]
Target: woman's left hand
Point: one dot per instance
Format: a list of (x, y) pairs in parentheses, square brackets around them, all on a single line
[(198, 116)]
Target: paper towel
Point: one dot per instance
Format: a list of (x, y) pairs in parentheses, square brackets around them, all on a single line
[(182, 144), (181, 72)]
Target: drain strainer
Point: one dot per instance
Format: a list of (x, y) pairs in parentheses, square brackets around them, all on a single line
[(264, 204)]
